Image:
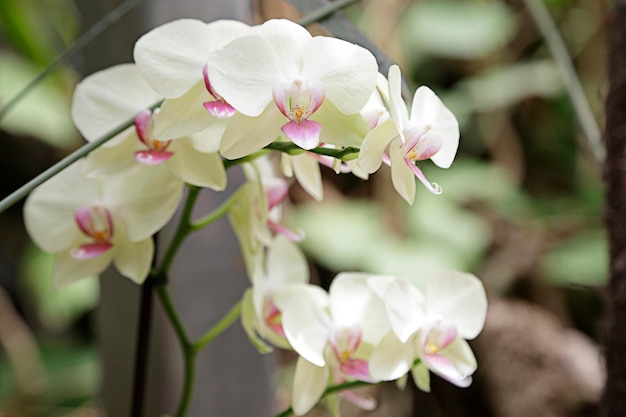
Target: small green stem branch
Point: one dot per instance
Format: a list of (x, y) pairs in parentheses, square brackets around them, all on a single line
[(218, 328), (291, 148), (339, 387)]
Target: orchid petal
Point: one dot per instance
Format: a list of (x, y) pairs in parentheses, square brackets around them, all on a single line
[(391, 359), (49, 210), (249, 323), (405, 308), (112, 161), (402, 175), (244, 73), (183, 116), (90, 250), (133, 259), (197, 168), (208, 140), (397, 107), (357, 369), (346, 88), (307, 171), (374, 145), (305, 321), (309, 383), (171, 56), (152, 157), (460, 298), (68, 269), (149, 204), (305, 134), (352, 302), (245, 135), (428, 109), (107, 98), (340, 129), (421, 377), (286, 264), (432, 187)]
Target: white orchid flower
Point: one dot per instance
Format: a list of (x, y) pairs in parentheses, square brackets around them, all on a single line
[(172, 59), (89, 223), (110, 97), (333, 333), (281, 80), (431, 327), (284, 265), (431, 132)]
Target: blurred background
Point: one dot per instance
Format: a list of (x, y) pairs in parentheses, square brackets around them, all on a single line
[(521, 209)]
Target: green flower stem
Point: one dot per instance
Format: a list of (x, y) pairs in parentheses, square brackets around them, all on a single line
[(339, 387), (173, 317), (64, 163), (293, 149), (184, 228), (213, 216), (218, 328)]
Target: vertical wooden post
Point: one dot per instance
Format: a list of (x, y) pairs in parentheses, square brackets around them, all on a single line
[(614, 400)]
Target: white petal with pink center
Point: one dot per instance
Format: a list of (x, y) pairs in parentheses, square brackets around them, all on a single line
[(431, 326), (284, 266), (293, 73), (186, 156), (88, 223), (431, 132), (333, 333)]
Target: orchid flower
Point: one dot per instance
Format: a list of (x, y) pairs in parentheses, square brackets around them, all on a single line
[(89, 223), (283, 266), (333, 333), (431, 132), (172, 60), (257, 211), (430, 328), (283, 81), (110, 97)]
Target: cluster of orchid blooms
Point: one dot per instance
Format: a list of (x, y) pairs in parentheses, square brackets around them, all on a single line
[(201, 94)]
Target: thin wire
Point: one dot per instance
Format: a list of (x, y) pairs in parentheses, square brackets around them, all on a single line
[(555, 43), (95, 31)]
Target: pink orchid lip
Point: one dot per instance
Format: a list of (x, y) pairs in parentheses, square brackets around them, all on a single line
[(218, 108), (96, 223), (152, 157), (157, 152), (289, 234), (273, 317), (90, 250), (305, 134)]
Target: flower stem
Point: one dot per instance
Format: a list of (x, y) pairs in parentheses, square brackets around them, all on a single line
[(218, 328), (213, 216), (293, 149)]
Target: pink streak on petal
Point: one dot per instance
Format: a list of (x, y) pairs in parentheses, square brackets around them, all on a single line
[(141, 126), (152, 157), (207, 83), (444, 367), (289, 234), (429, 145), (432, 187), (353, 339), (363, 403), (305, 134), (356, 368), (90, 250), (276, 193), (317, 93), (327, 161), (219, 109), (82, 216), (386, 159), (446, 334), (279, 98)]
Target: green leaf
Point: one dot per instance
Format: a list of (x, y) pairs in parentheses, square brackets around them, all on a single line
[(56, 308), (581, 260), (458, 29), (43, 113)]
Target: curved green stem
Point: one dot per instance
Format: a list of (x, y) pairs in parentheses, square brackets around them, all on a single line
[(190, 373), (184, 228), (172, 316), (339, 387), (212, 216), (225, 322), (291, 148)]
